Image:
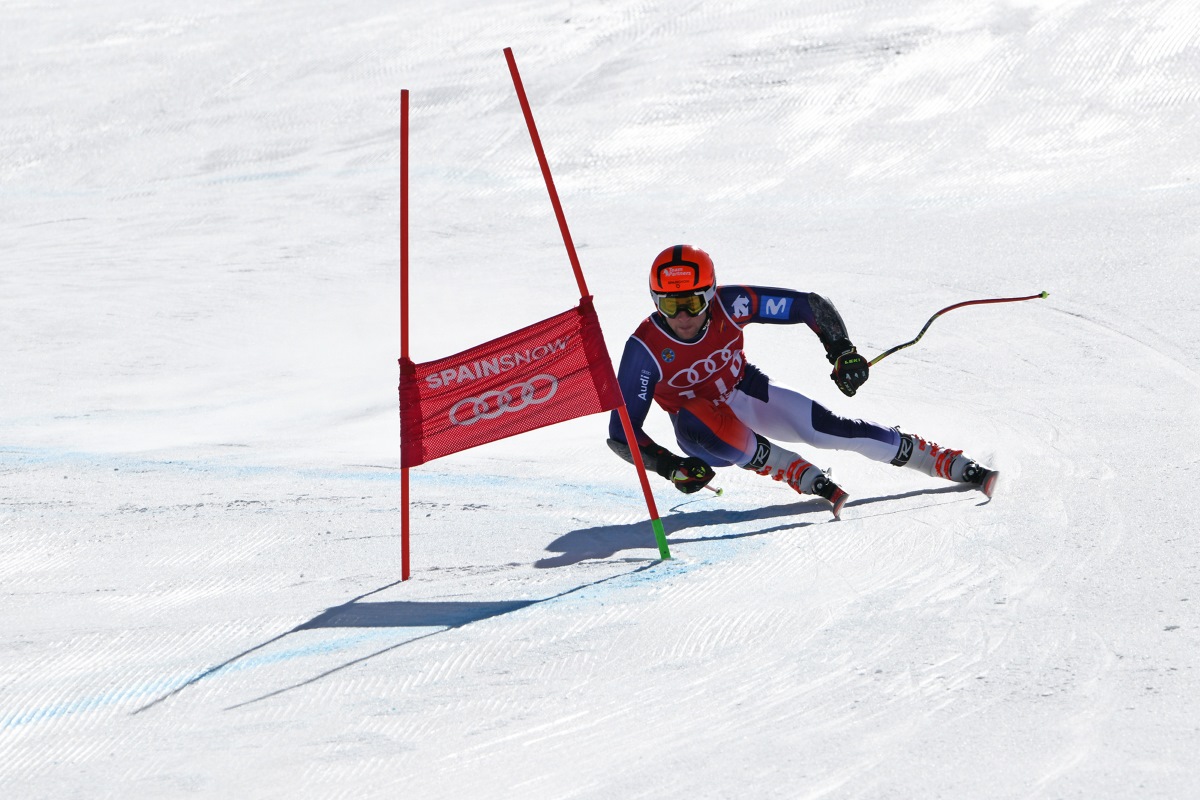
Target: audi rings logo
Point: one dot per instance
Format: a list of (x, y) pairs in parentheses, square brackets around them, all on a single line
[(490, 405), (707, 367)]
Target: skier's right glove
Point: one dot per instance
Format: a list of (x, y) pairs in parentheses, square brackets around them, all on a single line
[(688, 475)]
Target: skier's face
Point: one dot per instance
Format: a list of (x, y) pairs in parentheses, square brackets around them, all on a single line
[(685, 326)]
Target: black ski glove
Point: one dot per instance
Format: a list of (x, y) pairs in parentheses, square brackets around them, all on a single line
[(850, 370), (687, 474)]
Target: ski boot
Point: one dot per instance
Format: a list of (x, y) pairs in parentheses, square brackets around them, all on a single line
[(978, 475), (940, 462), (788, 467)]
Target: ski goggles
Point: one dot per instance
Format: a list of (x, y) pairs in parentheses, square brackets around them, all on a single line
[(694, 303)]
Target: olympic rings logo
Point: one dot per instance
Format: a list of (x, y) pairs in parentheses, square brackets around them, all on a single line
[(490, 405), (707, 367)]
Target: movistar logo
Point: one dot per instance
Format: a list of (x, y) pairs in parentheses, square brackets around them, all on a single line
[(776, 307)]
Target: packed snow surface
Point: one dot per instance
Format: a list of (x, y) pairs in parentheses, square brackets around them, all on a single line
[(199, 439)]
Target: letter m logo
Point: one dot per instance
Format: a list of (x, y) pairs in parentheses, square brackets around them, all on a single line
[(775, 307)]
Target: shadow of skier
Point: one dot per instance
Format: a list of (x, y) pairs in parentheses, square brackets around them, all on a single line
[(605, 541)]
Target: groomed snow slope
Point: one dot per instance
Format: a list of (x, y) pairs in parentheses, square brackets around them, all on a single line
[(199, 524)]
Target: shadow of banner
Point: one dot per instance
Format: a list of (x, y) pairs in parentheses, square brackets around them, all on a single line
[(408, 614)]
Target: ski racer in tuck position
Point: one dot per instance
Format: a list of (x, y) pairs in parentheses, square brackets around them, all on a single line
[(687, 357)]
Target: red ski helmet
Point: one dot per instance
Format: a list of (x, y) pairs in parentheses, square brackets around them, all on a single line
[(682, 279), (682, 268)]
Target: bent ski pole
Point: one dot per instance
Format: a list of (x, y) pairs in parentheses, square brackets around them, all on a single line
[(888, 352)]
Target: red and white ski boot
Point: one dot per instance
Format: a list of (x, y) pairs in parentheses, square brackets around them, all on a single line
[(940, 462), (783, 465)]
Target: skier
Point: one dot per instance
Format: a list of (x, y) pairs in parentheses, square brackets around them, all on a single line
[(687, 357)]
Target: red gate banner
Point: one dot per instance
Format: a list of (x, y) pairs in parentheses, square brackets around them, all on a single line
[(549, 372)]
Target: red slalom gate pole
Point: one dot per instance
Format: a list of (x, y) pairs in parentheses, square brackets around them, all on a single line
[(541, 157), (888, 352), (404, 360), (660, 535)]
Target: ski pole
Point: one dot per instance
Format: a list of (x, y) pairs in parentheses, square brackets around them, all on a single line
[(888, 352)]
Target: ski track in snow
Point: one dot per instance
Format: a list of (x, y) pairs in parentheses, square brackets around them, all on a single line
[(198, 492)]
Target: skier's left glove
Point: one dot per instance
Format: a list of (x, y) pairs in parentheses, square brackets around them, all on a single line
[(692, 475), (688, 475), (850, 370)]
